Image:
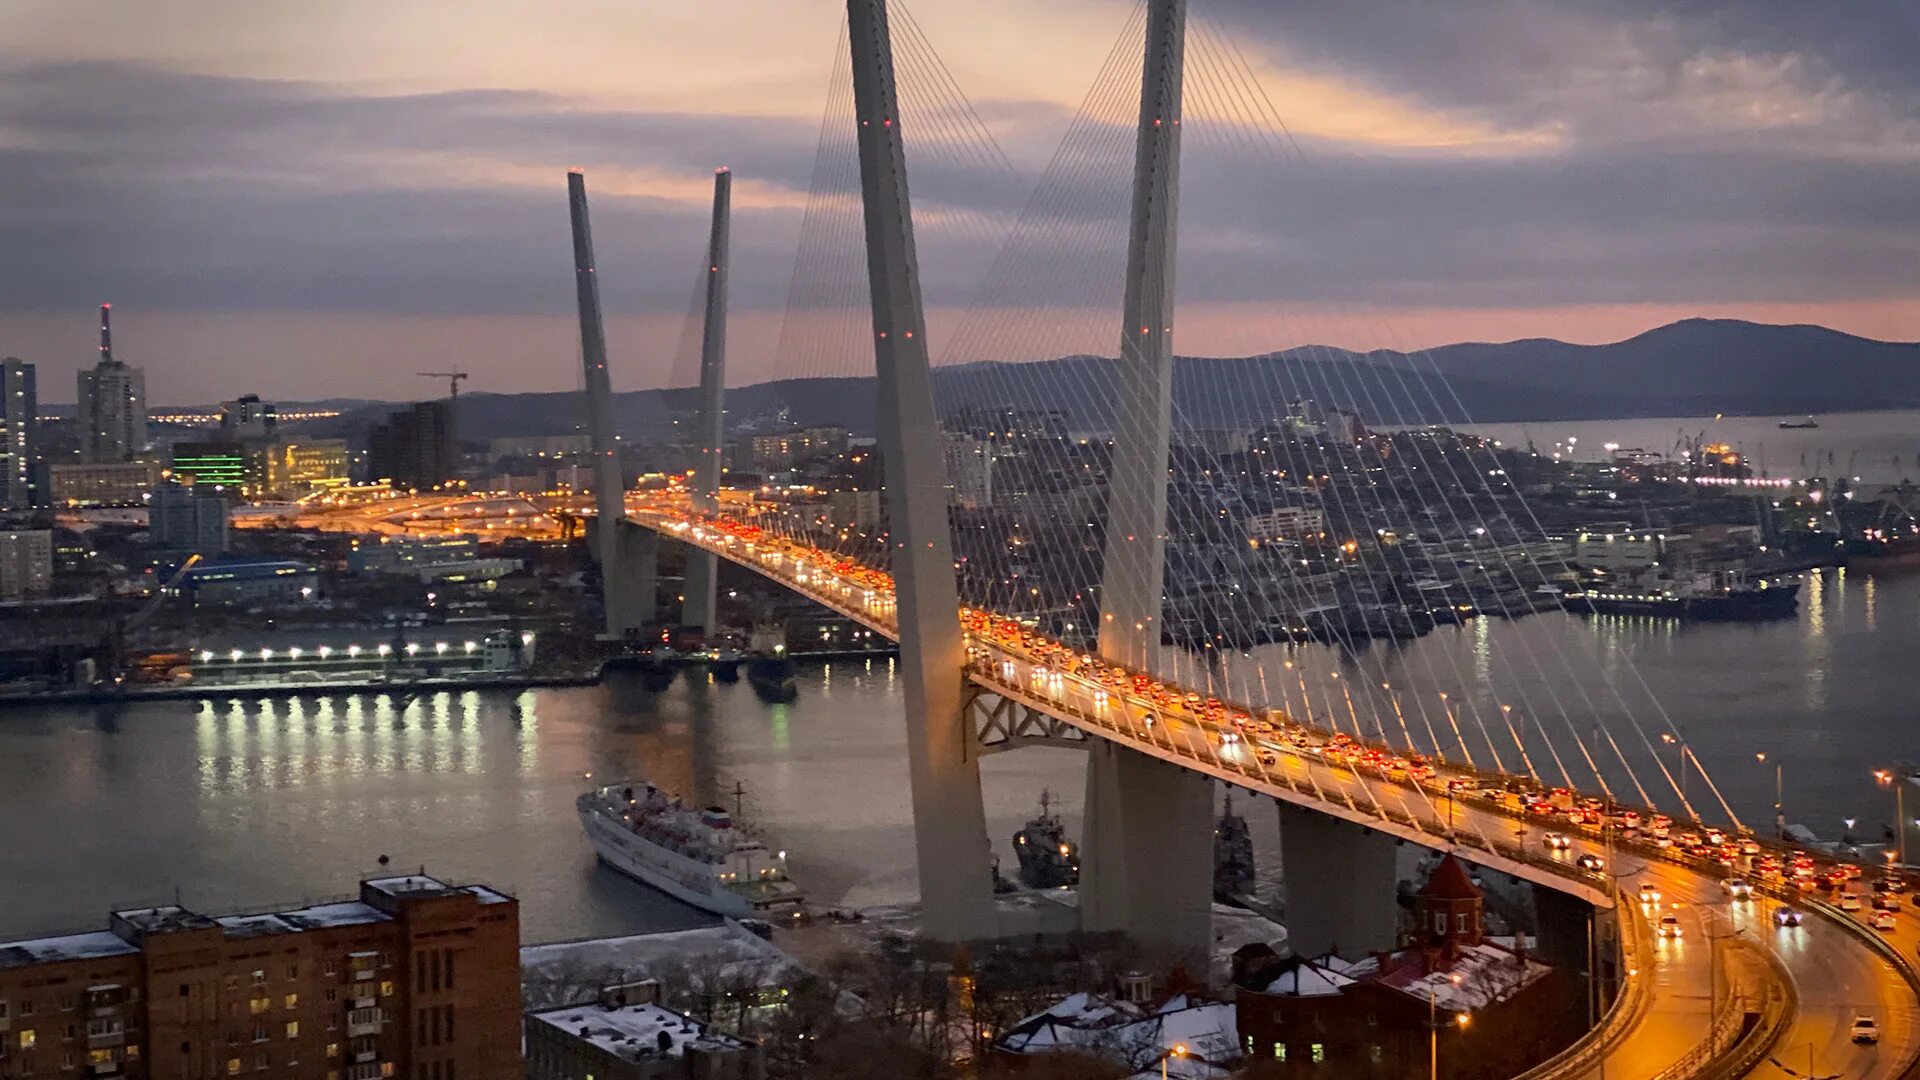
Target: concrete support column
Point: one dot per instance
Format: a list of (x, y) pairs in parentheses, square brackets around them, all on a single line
[(703, 567), (1147, 865), (1340, 885), (628, 605), (949, 822), (634, 590), (1146, 852)]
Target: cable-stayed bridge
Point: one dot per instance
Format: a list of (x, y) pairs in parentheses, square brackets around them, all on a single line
[(1143, 590)]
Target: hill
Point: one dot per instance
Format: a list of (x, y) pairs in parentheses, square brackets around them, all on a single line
[(1688, 368)]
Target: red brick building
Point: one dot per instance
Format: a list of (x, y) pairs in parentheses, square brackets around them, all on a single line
[(1374, 1016), (416, 979)]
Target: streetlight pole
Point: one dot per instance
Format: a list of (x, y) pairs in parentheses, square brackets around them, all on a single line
[(1671, 739), (1176, 1050), (1433, 1028), (1779, 816), (1898, 783)]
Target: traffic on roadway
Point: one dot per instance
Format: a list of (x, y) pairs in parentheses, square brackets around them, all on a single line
[(1697, 887)]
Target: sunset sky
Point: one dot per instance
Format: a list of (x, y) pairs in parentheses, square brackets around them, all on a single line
[(315, 200)]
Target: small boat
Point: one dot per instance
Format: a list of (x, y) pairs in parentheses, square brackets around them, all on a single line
[(1048, 860), (1232, 855), (1797, 425)]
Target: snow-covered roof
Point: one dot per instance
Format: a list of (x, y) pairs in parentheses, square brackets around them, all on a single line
[(1300, 977), (1480, 975), (1124, 1032), (316, 917), (159, 920), (726, 951), (406, 883), (55, 950), (633, 1031)]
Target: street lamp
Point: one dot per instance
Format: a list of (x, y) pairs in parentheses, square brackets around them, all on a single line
[(1671, 739), (1433, 1027), (1887, 778), (1779, 816), (1177, 1050)]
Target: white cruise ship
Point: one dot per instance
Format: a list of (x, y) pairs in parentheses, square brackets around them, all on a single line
[(700, 856)]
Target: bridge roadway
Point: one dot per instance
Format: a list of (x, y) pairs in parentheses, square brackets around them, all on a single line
[(1835, 973)]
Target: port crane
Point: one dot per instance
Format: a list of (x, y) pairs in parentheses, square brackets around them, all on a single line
[(115, 642)]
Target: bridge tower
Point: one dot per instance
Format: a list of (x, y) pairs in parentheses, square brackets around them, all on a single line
[(629, 556), (950, 828), (1147, 853), (701, 605)]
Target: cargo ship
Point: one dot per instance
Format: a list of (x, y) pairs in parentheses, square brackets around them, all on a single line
[(1726, 595), (701, 856)]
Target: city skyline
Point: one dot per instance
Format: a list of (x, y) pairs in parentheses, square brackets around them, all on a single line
[(318, 204)]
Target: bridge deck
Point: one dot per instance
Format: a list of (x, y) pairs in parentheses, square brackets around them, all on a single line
[(1834, 971)]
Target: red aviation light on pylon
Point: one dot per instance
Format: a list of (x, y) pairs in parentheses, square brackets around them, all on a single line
[(722, 170), (575, 170)]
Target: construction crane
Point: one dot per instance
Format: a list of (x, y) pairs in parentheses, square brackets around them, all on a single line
[(115, 642), (453, 381)]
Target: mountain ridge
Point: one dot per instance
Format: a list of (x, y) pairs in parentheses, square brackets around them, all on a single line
[(1690, 367)]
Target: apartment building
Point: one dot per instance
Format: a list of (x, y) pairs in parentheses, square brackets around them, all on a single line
[(416, 980)]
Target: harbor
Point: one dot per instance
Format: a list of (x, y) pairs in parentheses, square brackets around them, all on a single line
[(243, 801)]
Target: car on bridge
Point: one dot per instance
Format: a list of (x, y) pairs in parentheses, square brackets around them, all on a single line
[(1648, 894), (1590, 862), (1556, 842), (1669, 926), (1849, 902), (1787, 917), (1865, 1029), (1885, 920), (1737, 889)]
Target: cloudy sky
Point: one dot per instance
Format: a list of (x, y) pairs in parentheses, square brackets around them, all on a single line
[(308, 200)]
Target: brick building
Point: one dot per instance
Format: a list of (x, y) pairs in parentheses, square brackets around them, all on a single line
[(416, 980), (1495, 1007)]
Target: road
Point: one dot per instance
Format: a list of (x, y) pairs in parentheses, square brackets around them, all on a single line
[(1835, 974)]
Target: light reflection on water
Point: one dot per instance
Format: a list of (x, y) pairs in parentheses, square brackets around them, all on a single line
[(241, 803)]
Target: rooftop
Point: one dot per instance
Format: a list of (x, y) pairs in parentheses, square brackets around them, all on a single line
[(635, 1032), (162, 920), (423, 885), (1121, 1031), (1486, 974), (317, 917), (728, 952), (128, 926), (57, 950)]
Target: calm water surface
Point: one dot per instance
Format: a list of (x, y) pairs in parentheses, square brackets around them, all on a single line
[(240, 804), (1878, 447)]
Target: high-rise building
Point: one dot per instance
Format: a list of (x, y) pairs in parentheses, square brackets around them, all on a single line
[(122, 484), (26, 563), (22, 476), (414, 449), (214, 464), (113, 404), (247, 417), (188, 518), (969, 470), (296, 468), (415, 978)]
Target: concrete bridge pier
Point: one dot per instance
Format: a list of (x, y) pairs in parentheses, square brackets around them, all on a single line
[(1569, 928), (631, 577), (1146, 852), (1340, 885)]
